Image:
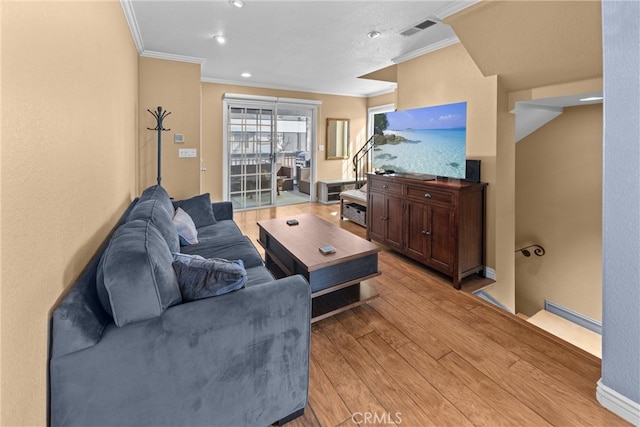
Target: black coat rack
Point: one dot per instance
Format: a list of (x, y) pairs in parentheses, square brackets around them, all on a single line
[(159, 115)]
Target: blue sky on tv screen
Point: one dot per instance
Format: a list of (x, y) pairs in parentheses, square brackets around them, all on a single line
[(450, 116)]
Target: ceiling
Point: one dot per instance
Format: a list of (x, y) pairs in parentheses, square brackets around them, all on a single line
[(309, 46)]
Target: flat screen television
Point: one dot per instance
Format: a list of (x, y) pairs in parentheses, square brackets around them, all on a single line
[(422, 141)]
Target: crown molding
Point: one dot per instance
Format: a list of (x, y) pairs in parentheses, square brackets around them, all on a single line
[(293, 89), (427, 49), (384, 91), (130, 16), (453, 8), (172, 57)]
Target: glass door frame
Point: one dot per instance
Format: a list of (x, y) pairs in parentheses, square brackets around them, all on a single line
[(251, 173), (266, 102)]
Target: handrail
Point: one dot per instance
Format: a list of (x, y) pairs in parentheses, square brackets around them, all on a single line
[(363, 155), (539, 250)]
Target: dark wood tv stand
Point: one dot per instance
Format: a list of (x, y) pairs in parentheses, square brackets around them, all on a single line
[(439, 223)]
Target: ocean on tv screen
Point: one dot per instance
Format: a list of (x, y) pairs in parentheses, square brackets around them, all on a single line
[(429, 140)]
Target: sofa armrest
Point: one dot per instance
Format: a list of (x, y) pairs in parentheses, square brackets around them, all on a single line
[(225, 360), (222, 210)]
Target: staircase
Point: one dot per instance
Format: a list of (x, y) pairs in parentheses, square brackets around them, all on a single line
[(568, 331), (362, 160)]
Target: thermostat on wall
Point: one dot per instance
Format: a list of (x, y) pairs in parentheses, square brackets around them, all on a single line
[(178, 138)]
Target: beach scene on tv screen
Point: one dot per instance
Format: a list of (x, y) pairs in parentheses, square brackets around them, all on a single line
[(428, 140)]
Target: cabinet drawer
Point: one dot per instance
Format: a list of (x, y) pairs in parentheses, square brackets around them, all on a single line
[(385, 186), (443, 198)]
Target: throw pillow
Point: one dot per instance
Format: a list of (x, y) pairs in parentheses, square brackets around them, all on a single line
[(187, 232), (202, 278), (199, 209)]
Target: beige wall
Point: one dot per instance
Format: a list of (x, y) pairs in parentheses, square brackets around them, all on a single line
[(537, 49), (74, 119), (333, 106), (69, 107), (449, 75), (384, 99), (559, 205), (532, 43), (175, 86), (503, 206)]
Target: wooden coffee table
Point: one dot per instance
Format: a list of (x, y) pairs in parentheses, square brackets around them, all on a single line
[(335, 278)]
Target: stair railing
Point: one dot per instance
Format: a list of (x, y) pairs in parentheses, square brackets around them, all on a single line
[(361, 161), (539, 250)]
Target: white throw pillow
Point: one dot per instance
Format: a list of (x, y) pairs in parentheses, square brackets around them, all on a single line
[(185, 227)]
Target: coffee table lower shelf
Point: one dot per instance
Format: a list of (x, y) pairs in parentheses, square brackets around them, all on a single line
[(332, 303), (336, 279), (335, 299)]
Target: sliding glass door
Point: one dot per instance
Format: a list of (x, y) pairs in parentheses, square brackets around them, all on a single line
[(295, 129), (268, 153), (250, 141)]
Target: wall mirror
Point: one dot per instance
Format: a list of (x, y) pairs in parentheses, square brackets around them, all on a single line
[(337, 139)]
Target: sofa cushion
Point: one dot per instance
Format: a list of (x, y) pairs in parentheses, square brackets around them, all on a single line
[(199, 209), (234, 247), (202, 278), (186, 229), (152, 210), (258, 275), (224, 228), (157, 192), (135, 278)]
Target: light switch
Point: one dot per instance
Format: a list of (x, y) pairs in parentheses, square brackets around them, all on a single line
[(320, 147), (187, 152), (178, 138)]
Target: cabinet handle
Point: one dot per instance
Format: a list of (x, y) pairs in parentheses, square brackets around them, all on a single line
[(385, 186), (426, 233), (427, 195)]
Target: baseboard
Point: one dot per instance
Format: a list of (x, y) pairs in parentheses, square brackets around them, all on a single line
[(618, 404), (572, 316), (489, 273)]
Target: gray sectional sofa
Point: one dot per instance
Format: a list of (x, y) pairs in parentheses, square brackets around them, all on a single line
[(127, 349)]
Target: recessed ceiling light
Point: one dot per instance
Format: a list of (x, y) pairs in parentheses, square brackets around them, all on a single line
[(374, 34), (591, 98), (219, 38), (246, 75), (236, 3)]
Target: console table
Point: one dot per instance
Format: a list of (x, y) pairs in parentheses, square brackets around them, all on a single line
[(329, 190)]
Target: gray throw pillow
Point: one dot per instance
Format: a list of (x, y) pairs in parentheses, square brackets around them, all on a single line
[(202, 278), (199, 209)]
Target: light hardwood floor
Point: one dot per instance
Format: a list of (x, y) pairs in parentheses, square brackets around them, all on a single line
[(425, 354)]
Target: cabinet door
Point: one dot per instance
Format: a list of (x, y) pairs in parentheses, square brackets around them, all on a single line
[(376, 216), (441, 246), (417, 230), (394, 222)]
